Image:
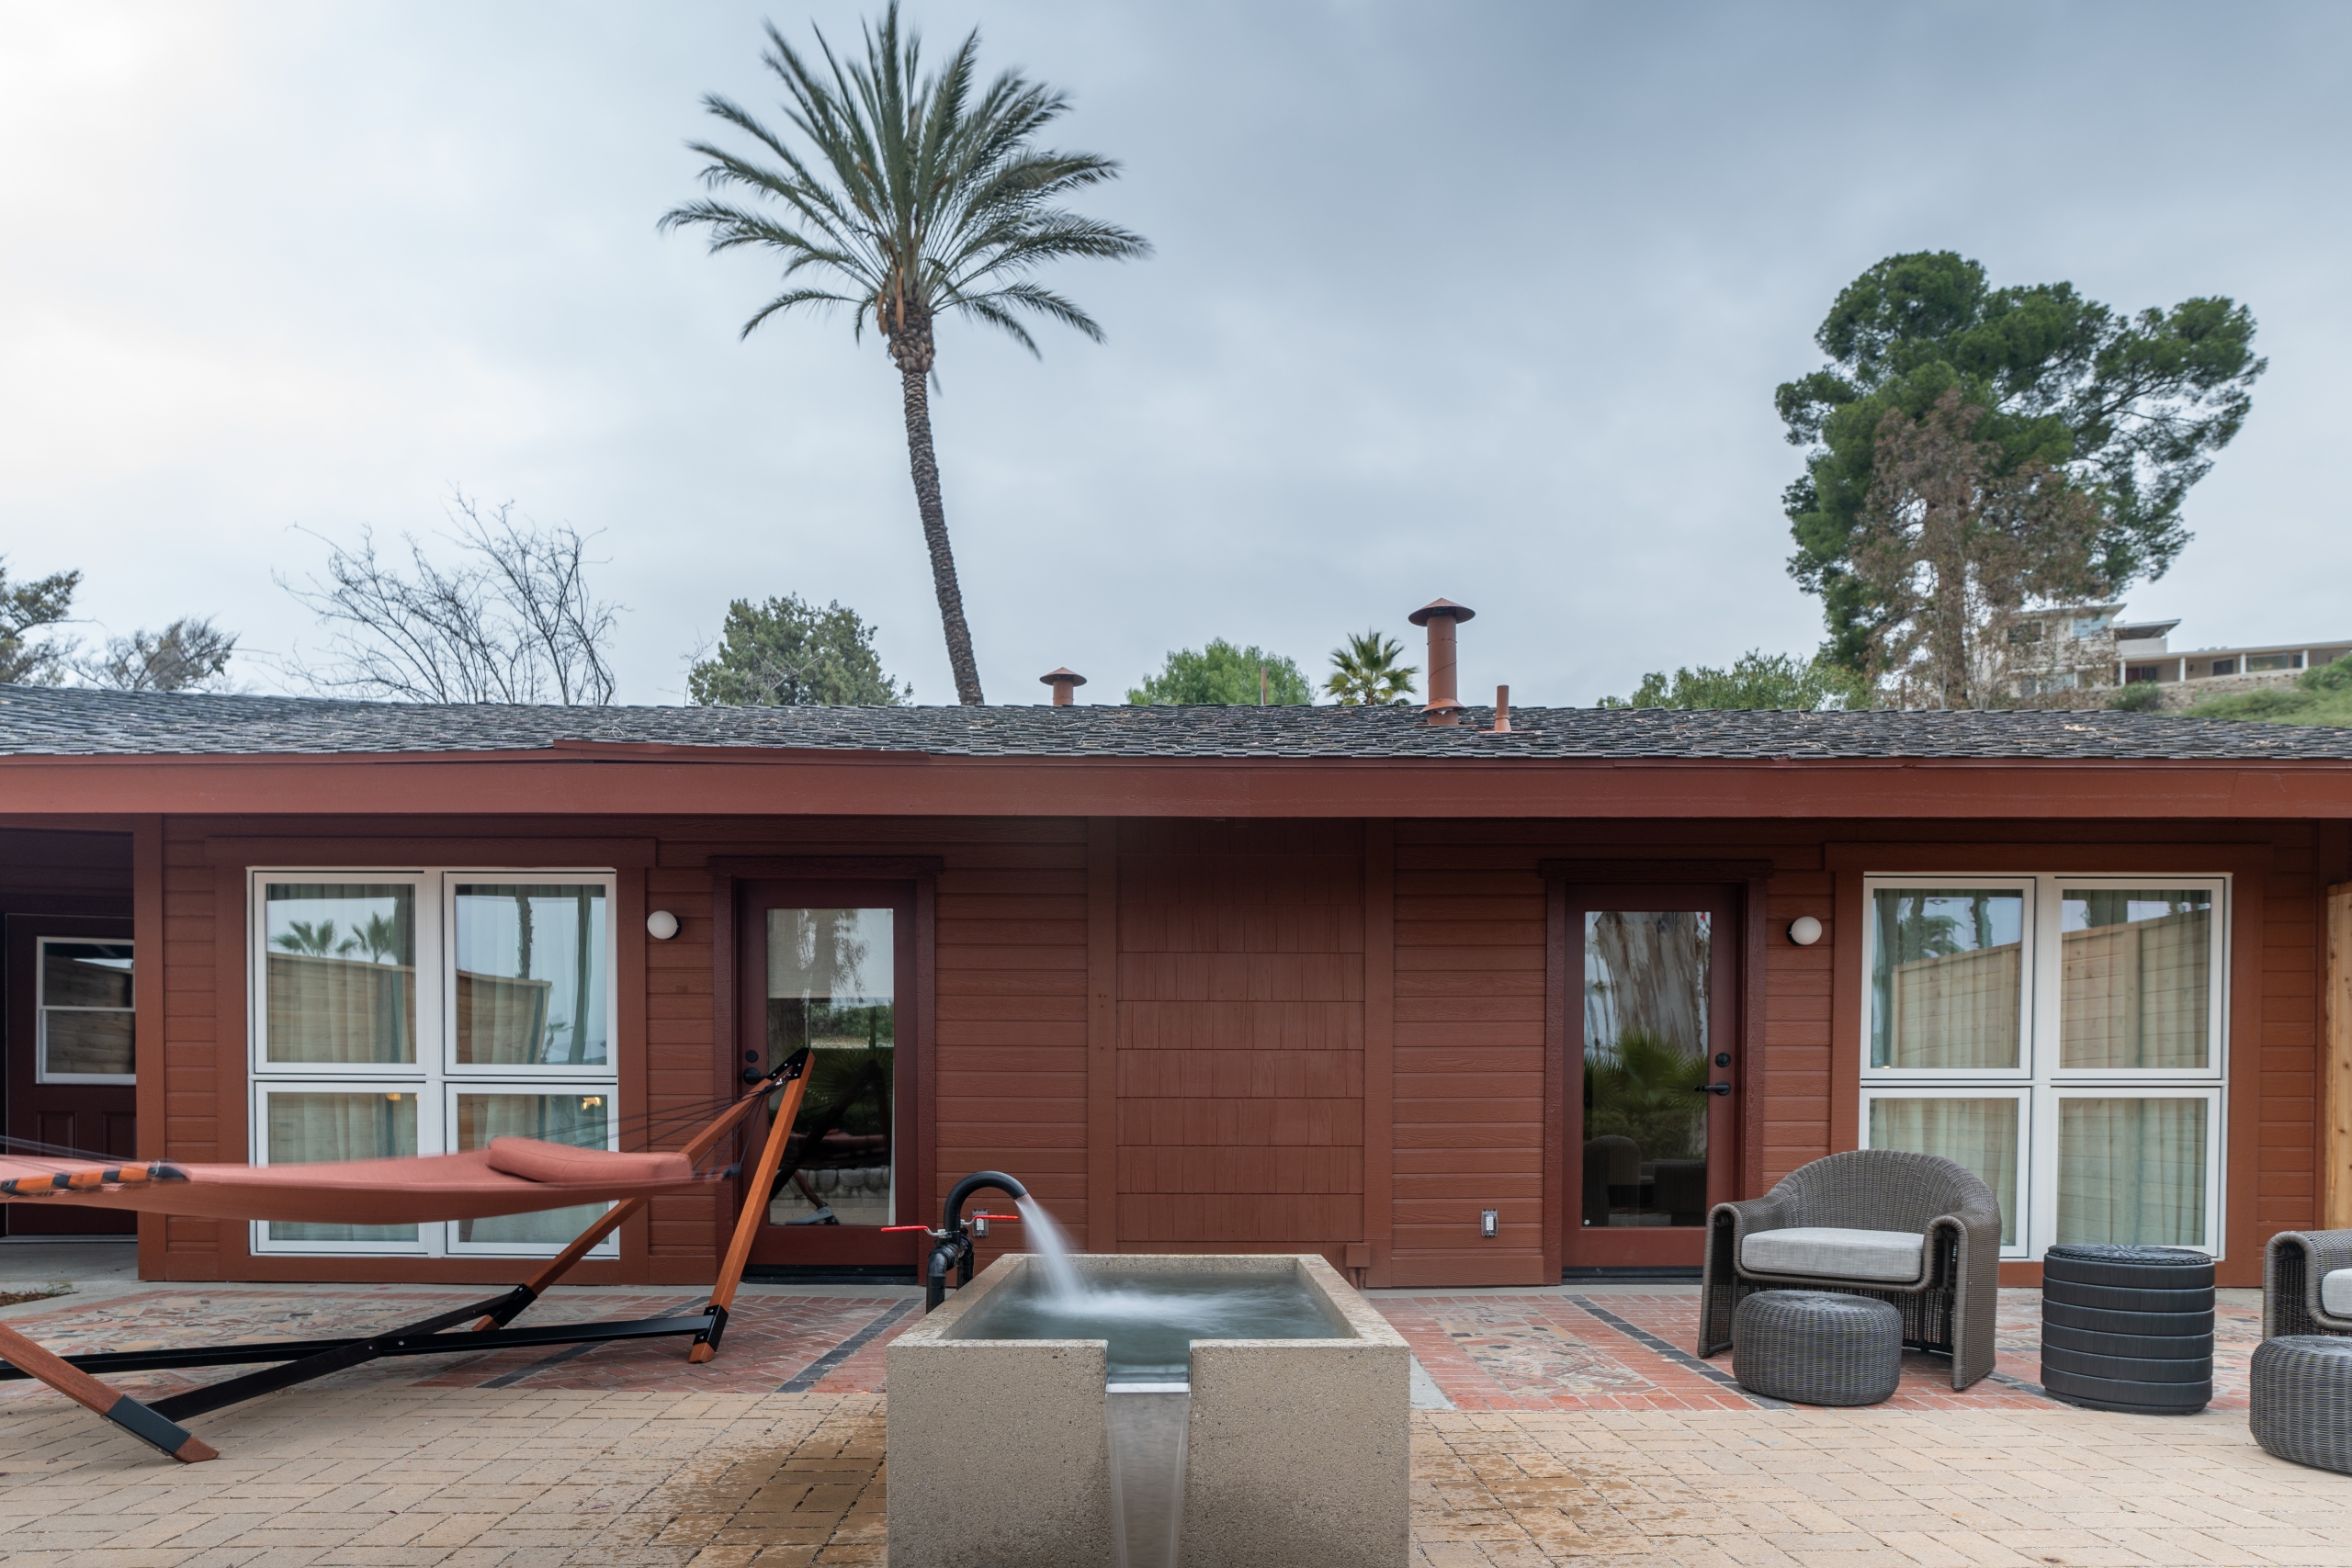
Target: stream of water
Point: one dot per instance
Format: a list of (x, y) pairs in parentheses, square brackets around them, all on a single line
[(1052, 1248)]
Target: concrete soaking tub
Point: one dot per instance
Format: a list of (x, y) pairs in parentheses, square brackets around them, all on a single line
[(1124, 1447)]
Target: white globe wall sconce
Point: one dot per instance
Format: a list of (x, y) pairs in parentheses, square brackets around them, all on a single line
[(1804, 931), (662, 925)]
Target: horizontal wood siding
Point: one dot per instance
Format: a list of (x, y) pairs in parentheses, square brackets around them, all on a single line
[(193, 1043), (1470, 1055), (2286, 1191), (1240, 1036), (1238, 1023)]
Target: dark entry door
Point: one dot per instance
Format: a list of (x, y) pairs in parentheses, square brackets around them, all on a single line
[(71, 1078), (829, 965), (1654, 1071)]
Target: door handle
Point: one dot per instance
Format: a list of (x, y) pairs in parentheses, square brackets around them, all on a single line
[(1711, 1088)]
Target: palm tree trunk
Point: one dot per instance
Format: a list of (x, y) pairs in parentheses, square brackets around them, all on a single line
[(914, 375)]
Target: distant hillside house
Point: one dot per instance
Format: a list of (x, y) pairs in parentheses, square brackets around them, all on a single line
[(2094, 648), (2141, 656), (2064, 648)]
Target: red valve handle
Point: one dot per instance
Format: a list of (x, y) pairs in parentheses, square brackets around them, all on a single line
[(1015, 1219), (887, 1229)]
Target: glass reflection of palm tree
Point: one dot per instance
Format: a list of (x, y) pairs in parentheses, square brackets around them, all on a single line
[(850, 1085), (378, 941)]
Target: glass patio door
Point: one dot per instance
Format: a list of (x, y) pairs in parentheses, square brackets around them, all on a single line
[(824, 965), (1653, 1078)]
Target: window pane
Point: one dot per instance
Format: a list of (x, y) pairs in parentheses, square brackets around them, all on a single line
[(85, 997), (1644, 1053), (531, 975), (341, 972), (85, 1044), (2132, 1171), (1946, 970), (831, 986), (86, 974), (582, 1121), (333, 1126), (2137, 986), (1979, 1133)]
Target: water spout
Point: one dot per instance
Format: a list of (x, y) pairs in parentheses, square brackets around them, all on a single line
[(1052, 1250)]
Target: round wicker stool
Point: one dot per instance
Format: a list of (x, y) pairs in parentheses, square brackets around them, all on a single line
[(2302, 1399), (1816, 1348)]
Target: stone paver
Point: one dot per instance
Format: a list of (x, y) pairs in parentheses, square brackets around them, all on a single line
[(514, 1478), (1583, 1432)]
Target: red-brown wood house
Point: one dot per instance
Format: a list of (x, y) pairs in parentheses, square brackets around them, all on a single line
[(1448, 1004)]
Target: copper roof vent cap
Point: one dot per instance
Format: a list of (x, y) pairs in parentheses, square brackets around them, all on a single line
[(1065, 682), (1442, 617), (1459, 612)]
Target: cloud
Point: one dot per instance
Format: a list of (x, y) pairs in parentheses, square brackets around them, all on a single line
[(1482, 302)]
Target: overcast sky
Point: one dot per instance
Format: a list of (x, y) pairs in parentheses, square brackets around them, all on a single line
[(1482, 300)]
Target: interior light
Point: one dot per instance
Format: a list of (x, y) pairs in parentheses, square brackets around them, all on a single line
[(591, 1100)]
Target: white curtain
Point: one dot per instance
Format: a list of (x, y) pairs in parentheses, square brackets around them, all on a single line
[(1979, 1133), (2132, 1171), (579, 1119), (369, 1124)]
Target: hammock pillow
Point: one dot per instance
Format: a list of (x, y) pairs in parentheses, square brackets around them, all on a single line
[(534, 1160)]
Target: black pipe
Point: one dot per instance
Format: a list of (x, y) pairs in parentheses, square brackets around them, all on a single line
[(943, 1258), (976, 1181), (954, 1249)]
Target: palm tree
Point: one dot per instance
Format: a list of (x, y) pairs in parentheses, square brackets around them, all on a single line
[(922, 197), (1365, 671)]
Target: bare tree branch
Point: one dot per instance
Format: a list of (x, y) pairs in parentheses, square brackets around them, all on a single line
[(514, 622)]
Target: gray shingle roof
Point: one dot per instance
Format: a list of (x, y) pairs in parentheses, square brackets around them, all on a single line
[(59, 721)]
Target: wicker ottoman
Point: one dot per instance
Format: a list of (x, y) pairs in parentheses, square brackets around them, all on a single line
[(2302, 1399), (1816, 1348)]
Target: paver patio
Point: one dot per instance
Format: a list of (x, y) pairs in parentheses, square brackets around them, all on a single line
[(1579, 1427)]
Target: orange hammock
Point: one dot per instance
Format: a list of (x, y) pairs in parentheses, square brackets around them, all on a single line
[(513, 1176)]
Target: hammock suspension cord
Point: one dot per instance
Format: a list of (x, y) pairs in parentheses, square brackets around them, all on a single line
[(302, 1360)]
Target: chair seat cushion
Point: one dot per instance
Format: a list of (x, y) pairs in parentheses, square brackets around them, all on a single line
[(1830, 1252), (2336, 1292)]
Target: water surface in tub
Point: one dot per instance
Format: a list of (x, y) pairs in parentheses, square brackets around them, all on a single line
[(1151, 1319)]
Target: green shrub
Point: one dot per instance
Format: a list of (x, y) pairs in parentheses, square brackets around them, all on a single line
[(2140, 697), (2323, 695), (2336, 677)]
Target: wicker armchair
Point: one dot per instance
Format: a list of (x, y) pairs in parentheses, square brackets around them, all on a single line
[(2295, 1266), (1949, 1307)]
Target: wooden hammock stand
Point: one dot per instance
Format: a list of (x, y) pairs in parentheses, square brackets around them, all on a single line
[(300, 1360)]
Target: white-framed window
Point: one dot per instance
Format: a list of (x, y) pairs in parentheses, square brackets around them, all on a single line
[(1987, 1128), (83, 1030), (427, 1010), (2064, 1037)]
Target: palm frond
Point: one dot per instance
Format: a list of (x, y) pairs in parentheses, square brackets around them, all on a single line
[(907, 183), (793, 299), (997, 316), (1027, 297)]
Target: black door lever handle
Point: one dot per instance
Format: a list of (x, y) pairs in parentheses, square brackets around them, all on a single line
[(1713, 1087)]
